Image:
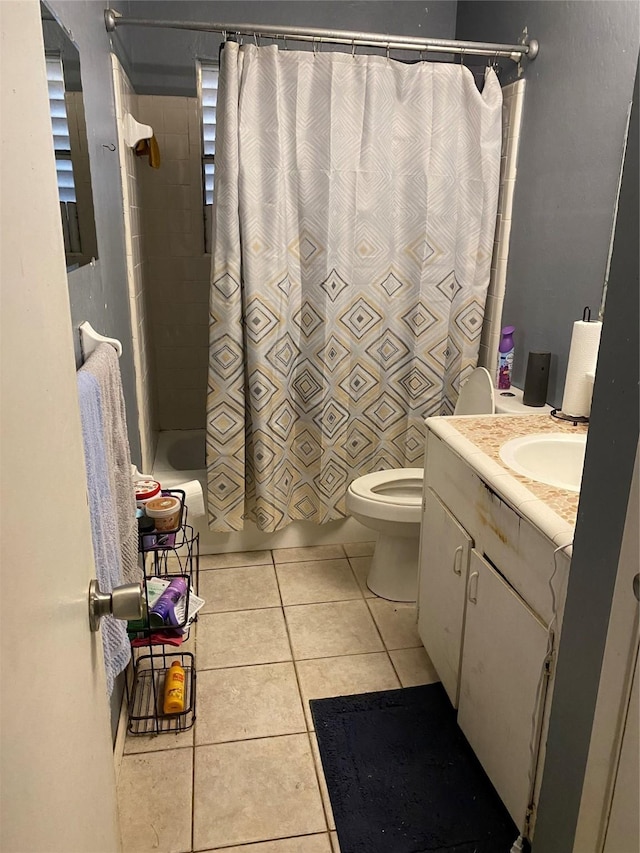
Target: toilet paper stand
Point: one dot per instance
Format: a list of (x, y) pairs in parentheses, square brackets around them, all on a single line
[(583, 357), (574, 419)]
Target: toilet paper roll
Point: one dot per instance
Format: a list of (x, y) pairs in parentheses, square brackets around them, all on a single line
[(194, 499), (583, 356)]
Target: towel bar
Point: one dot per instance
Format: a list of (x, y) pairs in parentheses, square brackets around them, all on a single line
[(89, 340), (134, 131)]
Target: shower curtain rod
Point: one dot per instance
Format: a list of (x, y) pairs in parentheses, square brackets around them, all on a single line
[(515, 52)]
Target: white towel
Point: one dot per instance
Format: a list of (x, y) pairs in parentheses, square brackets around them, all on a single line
[(103, 365), (104, 525)]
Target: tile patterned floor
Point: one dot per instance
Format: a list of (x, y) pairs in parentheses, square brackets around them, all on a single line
[(279, 628)]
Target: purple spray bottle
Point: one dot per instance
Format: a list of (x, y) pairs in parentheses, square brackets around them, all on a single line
[(163, 612), (505, 358)]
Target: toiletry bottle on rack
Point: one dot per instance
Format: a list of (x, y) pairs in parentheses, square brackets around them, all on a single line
[(163, 612), (505, 358), (174, 698)]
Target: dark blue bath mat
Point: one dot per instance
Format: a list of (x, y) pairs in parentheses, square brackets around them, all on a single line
[(402, 777)]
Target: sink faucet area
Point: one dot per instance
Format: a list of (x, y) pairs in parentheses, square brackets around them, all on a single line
[(556, 459)]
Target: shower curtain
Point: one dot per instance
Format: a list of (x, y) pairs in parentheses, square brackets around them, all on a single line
[(353, 229)]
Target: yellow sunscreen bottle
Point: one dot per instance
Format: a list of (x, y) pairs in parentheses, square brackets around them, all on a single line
[(174, 697)]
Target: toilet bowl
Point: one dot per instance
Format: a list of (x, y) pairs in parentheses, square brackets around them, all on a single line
[(390, 502)]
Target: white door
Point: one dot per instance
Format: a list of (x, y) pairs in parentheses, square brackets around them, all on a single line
[(505, 646), (444, 564), (623, 832), (58, 785)]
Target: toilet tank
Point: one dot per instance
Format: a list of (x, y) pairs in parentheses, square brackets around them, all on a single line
[(510, 403)]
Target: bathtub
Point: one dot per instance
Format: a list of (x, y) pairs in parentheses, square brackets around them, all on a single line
[(180, 457)]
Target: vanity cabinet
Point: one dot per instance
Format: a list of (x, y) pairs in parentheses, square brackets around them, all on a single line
[(485, 615)]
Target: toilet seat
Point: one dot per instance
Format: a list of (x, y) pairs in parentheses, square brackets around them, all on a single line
[(394, 494), (401, 486)]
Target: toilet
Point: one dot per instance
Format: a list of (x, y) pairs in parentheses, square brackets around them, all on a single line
[(390, 502)]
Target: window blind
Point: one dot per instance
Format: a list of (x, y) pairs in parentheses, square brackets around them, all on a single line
[(60, 128), (208, 104)]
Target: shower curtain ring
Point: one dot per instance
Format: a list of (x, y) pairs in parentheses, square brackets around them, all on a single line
[(388, 50), (461, 56), (255, 38), (353, 48), (315, 47), (224, 35)]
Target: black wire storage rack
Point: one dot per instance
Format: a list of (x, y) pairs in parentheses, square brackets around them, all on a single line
[(165, 554)]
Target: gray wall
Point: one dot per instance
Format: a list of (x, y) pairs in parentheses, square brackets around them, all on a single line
[(162, 62), (611, 450), (576, 103), (99, 293)]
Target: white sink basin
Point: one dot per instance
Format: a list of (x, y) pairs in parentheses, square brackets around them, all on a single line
[(555, 458)]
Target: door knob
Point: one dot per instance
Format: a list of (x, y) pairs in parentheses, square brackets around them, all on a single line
[(124, 602)]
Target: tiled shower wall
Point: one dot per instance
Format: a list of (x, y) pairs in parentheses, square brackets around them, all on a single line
[(176, 268), (513, 99), (126, 102)]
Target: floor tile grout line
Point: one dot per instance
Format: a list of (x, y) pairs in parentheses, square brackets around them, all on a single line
[(252, 738), (230, 568), (161, 749), (303, 660), (328, 601), (248, 844), (273, 561), (393, 667), (382, 640), (281, 606), (315, 560), (363, 589), (240, 610), (306, 722)]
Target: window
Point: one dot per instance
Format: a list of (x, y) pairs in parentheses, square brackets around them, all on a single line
[(208, 75), (62, 148)]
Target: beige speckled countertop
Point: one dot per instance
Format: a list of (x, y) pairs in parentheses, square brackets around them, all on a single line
[(478, 439)]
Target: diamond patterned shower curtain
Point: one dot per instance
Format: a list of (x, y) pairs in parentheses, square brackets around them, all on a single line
[(353, 229)]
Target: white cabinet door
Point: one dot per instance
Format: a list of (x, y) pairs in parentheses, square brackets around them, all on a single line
[(502, 683), (443, 578)]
